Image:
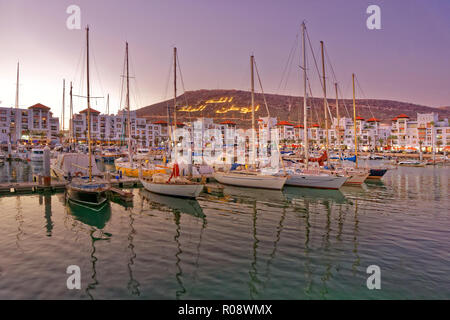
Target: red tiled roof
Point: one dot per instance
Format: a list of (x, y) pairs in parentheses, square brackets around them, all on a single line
[(228, 122), (160, 122), (395, 119), (299, 126), (39, 106), (373, 120), (284, 123), (315, 125), (92, 111), (359, 118), (402, 116)]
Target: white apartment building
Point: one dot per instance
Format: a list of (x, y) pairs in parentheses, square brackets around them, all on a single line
[(112, 129), (35, 125)]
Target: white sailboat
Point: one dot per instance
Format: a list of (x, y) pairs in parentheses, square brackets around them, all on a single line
[(306, 178), (247, 178), (173, 185)]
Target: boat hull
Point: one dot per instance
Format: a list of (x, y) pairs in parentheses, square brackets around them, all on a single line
[(376, 173), (95, 199), (172, 189), (251, 181), (316, 181), (356, 178), (134, 171)]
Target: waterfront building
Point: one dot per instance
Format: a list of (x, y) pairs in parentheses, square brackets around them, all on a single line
[(34, 125), (112, 129)]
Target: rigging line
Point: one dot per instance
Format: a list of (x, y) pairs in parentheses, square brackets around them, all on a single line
[(335, 80), (343, 100), (74, 76), (98, 74), (122, 82), (289, 71), (317, 69), (137, 93), (364, 95), (182, 85), (294, 46), (262, 91)]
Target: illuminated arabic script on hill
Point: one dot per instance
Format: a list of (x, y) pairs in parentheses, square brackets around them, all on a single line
[(223, 109)]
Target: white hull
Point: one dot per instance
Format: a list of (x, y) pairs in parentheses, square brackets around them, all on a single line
[(173, 189), (316, 181), (251, 180)]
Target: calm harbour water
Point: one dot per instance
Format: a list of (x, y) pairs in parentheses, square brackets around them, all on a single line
[(249, 244)]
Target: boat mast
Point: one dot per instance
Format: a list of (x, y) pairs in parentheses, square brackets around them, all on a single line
[(89, 104), (128, 108), (16, 114), (107, 112), (338, 122), (305, 114), (252, 160), (174, 101), (63, 104), (324, 99), (71, 115), (354, 121)]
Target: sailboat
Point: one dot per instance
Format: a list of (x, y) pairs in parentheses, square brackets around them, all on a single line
[(173, 185), (252, 179), (355, 176), (85, 191), (306, 178), (126, 166)]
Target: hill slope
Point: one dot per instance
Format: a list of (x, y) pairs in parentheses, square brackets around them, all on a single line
[(235, 105)]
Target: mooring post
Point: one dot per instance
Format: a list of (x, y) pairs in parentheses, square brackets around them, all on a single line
[(47, 178)]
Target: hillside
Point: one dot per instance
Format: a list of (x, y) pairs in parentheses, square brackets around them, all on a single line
[(235, 105)]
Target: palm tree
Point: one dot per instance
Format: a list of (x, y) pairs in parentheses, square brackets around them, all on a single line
[(381, 141)]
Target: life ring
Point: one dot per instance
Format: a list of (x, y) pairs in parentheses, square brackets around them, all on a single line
[(78, 174)]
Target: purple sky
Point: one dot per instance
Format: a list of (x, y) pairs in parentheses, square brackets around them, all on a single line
[(407, 60)]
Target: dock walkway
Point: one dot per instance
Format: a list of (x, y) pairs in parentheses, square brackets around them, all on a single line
[(59, 186)]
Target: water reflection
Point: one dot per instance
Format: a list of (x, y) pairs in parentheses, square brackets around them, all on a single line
[(189, 206), (293, 194), (96, 221), (48, 212), (179, 206), (133, 284)]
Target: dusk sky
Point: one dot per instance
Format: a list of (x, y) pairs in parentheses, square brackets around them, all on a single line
[(407, 60)]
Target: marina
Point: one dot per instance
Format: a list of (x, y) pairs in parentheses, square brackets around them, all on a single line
[(295, 243), (250, 152)]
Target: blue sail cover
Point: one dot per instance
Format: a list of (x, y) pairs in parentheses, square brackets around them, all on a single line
[(353, 159)]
